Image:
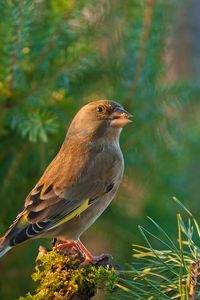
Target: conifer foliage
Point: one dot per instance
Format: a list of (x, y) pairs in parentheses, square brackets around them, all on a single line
[(55, 56)]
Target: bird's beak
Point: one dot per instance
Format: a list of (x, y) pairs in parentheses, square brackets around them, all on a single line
[(120, 117)]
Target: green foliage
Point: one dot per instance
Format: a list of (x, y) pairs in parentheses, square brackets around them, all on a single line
[(172, 272), (56, 55), (60, 276), (35, 124)]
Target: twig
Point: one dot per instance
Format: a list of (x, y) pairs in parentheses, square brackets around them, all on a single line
[(64, 274)]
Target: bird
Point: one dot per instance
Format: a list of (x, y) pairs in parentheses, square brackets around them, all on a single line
[(78, 184)]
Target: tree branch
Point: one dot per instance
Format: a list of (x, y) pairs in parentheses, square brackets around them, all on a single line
[(64, 275)]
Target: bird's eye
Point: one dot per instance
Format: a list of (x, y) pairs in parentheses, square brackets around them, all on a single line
[(100, 109)]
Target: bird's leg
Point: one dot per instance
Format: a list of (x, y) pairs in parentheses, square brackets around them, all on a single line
[(84, 250), (76, 245), (54, 242), (65, 245), (89, 257)]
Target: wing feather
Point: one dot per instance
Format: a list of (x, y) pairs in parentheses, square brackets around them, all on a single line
[(50, 205)]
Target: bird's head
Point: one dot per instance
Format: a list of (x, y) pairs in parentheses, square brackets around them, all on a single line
[(100, 118)]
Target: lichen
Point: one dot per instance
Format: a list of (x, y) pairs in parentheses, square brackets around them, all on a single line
[(62, 276)]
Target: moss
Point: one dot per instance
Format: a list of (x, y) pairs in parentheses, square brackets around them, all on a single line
[(60, 275)]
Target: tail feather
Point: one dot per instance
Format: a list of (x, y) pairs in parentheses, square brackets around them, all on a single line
[(6, 242), (19, 234), (4, 246)]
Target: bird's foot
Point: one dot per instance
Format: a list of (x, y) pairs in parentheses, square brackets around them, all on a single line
[(85, 256), (63, 246), (102, 259), (69, 247)]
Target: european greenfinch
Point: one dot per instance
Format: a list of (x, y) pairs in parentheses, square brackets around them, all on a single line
[(78, 184)]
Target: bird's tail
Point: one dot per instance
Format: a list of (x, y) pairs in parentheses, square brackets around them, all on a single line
[(4, 246), (7, 242)]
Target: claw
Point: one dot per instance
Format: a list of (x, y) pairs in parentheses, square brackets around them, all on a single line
[(102, 259), (87, 257), (66, 245)]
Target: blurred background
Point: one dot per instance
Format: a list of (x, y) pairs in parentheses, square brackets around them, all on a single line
[(57, 55)]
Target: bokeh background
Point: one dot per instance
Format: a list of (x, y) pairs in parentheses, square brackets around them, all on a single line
[(57, 55)]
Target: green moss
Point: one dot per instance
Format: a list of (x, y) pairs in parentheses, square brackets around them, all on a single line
[(60, 276)]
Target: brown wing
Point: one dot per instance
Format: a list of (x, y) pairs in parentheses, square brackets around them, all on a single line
[(53, 201)]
